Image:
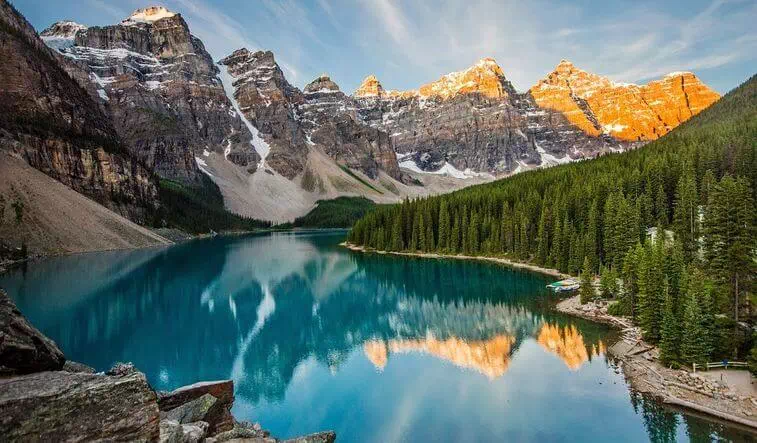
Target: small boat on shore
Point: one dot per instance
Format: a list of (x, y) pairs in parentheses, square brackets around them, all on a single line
[(567, 285)]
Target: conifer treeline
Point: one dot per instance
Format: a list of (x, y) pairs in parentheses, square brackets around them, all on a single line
[(696, 186)]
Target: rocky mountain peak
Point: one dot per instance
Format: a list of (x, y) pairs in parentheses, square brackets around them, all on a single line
[(148, 15), (62, 29), (484, 77), (322, 84), (626, 111), (61, 34), (370, 87)]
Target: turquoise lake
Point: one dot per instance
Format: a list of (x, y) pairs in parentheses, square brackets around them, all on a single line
[(377, 348)]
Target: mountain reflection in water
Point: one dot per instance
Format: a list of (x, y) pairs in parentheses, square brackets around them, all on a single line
[(315, 337)]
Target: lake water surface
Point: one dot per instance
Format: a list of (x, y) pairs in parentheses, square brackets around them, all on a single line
[(378, 348)]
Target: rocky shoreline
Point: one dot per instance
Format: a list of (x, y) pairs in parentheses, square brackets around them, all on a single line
[(638, 360), (676, 387), (44, 397)]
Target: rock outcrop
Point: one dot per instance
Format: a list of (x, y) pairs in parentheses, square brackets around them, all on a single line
[(23, 349), (161, 89), (218, 414), (63, 406), (624, 111), (54, 124), (42, 399)]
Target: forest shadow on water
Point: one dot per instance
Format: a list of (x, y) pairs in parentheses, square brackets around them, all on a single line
[(375, 347)]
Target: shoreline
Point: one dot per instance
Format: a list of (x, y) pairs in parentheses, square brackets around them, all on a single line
[(500, 260), (673, 387)]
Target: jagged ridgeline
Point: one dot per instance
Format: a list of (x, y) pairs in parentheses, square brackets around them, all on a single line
[(594, 209)]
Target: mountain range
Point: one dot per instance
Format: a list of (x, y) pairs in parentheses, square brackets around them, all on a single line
[(154, 105)]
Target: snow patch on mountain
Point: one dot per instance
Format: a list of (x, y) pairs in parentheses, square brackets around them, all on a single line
[(260, 145), (148, 15), (446, 169)]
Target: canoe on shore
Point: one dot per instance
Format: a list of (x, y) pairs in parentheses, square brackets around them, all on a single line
[(566, 285)]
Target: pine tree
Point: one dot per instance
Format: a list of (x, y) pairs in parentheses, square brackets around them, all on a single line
[(444, 227), (686, 215), (473, 239), (454, 241), (542, 248), (694, 342), (414, 240), (630, 277), (422, 233), (608, 282), (670, 334), (651, 283), (397, 242), (730, 237), (586, 291), (661, 206), (592, 239)]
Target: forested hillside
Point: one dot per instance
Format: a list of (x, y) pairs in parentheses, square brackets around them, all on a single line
[(341, 212), (199, 209), (697, 184)]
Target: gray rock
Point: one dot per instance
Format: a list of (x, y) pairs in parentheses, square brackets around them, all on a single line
[(320, 437), (23, 349), (59, 406), (72, 366), (172, 431), (122, 369), (241, 431), (219, 416), (194, 410)]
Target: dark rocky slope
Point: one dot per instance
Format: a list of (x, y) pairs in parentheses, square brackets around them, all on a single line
[(53, 123)]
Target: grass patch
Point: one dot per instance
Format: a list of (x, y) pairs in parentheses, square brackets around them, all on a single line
[(356, 177)]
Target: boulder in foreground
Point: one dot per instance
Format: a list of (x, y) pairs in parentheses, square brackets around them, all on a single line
[(59, 406), (23, 349)]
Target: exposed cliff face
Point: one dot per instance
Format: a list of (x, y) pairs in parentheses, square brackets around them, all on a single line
[(161, 88), (627, 112), (470, 121), (53, 123), (292, 123)]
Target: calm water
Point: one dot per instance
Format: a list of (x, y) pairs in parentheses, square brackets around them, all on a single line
[(376, 348)]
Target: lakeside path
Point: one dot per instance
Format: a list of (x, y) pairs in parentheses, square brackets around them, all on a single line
[(703, 393)]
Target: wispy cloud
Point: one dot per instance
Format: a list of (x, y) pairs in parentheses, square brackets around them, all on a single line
[(630, 42), (409, 42), (108, 9)]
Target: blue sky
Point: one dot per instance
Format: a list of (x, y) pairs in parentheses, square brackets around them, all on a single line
[(406, 43)]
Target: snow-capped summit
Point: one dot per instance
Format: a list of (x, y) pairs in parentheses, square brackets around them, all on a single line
[(61, 34), (148, 15)]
